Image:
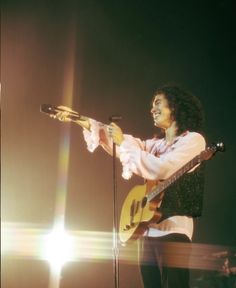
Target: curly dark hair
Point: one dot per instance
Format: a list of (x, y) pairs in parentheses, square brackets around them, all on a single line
[(186, 108)]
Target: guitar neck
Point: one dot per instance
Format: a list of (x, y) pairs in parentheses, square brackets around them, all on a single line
[(166, 183)]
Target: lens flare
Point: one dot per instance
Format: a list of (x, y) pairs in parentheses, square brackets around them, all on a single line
[(58, 248)]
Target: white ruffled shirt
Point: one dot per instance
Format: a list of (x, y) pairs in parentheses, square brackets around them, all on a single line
[(152, 159)]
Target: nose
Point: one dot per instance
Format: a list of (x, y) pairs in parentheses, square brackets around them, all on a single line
[(153, 110)]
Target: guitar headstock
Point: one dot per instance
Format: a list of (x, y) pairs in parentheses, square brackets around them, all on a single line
[(211, 150)]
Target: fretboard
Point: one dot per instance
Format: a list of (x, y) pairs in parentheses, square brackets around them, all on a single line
[(166, 183)]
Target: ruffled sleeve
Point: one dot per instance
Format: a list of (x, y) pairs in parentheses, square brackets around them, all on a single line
[(91, 136), (136, 159), (126, 158)]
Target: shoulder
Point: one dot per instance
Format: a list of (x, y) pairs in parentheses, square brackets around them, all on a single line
[(192, 138), (195, 136)]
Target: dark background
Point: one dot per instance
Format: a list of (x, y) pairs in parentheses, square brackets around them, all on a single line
[(124, 50)]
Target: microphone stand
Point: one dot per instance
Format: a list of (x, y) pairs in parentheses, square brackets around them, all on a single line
[(115, 223), (115, 220)]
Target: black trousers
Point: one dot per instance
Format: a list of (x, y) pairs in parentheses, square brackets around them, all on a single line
[(164, 260)]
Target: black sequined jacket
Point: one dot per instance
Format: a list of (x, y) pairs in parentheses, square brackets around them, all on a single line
[(185, 196)]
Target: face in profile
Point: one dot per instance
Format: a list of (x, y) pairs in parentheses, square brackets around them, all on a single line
[(161, 112)]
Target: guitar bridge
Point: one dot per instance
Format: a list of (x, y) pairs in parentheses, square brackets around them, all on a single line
[(128, 227)]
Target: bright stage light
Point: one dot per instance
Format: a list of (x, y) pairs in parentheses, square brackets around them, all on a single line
[(4, 240), (58, 246)]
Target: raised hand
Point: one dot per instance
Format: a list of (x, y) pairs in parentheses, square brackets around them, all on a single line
[(115, 132), (64, 115)]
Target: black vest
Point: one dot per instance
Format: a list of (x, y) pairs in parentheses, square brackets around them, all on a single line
[(185, 196)]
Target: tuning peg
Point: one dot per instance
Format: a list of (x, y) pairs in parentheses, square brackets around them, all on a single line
[(220, 146)]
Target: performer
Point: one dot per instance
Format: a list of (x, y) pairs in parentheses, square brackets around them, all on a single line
[(179, 115)]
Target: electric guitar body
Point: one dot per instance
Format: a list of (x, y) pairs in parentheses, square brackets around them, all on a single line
[(137, 212)]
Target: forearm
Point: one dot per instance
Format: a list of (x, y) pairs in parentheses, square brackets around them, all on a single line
[(84, 123), (95, 134)]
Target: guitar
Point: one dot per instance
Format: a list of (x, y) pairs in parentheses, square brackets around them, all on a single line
[(141, 205)]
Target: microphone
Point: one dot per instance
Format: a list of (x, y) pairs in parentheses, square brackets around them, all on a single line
[(115, 118)]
